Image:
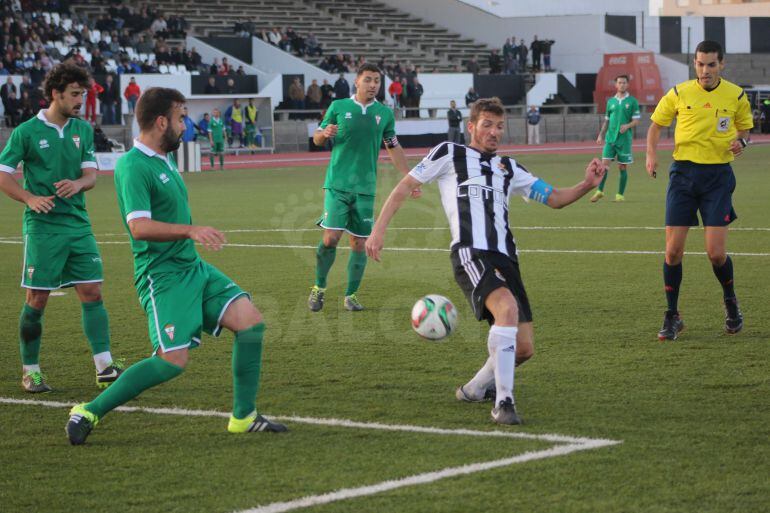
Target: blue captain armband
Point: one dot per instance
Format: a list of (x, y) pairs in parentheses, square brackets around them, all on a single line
[(540, 191)]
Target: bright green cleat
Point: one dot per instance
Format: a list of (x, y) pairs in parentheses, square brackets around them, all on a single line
[(34, 383), (597, 196), (352, 303), (316, 300), (254, 423), (80, 424), (619, 197), (111, 373)]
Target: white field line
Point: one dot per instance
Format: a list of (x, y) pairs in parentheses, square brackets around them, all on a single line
[(446, 250), (571, 444)]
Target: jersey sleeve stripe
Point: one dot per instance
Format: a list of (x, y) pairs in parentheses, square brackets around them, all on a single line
[(675, 91), (439, 151), (7, 169), (742, 94), (87, 164), (138, 214)]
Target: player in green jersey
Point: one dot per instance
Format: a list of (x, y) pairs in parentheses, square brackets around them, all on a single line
[(57, 149), (359, 125), (181, 294), (217, 138), (622, 115)]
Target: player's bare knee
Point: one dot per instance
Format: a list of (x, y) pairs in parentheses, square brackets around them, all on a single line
[(332, 238), (506, 313), (178, 357), (674, 256), (241, 315), (717, 258), (37, 299), (358, 243)]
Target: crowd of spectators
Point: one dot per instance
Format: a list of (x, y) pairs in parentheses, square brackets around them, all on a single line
[(288, 39), (517, 57)]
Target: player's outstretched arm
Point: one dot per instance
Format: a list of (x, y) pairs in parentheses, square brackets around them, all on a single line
[(375, 241), (144, 228), (653, 136), (594, 173), (12, 189), (398, 157), (68, 188), (320, 136)]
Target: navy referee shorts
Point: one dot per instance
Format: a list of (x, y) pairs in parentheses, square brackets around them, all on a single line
[(704, 188)]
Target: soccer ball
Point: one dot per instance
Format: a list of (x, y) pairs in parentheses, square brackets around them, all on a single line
[(434, 317)]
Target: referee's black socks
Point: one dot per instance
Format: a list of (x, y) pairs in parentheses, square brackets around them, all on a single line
[(725, 276)]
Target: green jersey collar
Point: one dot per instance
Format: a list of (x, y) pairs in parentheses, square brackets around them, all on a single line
[(59, 129), (621, 98), (363, 107), (151, 153)]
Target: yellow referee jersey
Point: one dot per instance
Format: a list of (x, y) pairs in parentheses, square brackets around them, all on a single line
[(706, 121)]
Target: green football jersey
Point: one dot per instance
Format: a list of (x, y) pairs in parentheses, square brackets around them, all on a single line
[(620, 111), (217, 129), (149, 185), (51, 153), (361, 130)]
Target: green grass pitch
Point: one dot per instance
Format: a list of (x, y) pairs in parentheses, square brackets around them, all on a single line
[(693, 415)]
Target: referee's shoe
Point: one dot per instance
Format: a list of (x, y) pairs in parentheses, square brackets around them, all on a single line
[(672, 326), (733, 316)]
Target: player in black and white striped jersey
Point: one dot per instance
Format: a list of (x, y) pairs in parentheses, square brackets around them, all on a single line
[(476, 185)]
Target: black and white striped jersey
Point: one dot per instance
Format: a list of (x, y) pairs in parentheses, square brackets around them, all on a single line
[(475, 190)]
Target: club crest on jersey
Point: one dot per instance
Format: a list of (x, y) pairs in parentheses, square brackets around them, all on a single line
[(43, 144), (76, 140), (169, 329), (377, 119), (30, 271)]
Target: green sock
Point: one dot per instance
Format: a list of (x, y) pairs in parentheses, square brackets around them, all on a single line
[(96, 326), (30, 329), (623, 181), (356, 266), (247, 363), (211, 159), (323, 262), (604, 180), (136, 379), (221, 160)]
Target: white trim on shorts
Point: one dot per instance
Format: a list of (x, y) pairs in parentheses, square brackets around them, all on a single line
[(321, 225), (218, 330)]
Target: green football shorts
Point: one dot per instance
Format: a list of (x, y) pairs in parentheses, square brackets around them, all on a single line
[(218, 147), (619, 150), (53, 261), (348, 211), (179, 305)]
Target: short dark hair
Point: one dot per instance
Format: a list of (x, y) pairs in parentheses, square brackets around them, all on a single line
[(623, 76), (156, 102), (367, 66), (709, 46), (492, 105), (63, 75)]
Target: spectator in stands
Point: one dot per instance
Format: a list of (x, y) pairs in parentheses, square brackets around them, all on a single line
[(251, 115), (415, 94), (523, 50), (36, 74), (211, 87), (241, 71), (225, 69), (495, 62), (132, 94), (536, 54), (12, 109), (28, 109), (3, 70), (472, 66), (26, 86), (93, 91), (177, 26), (190, 128), (545, 47), (275, 37), (230, 87), (144, 45), (147, 67), (327, 94), (455, 119), (285, 43), (101, 143), (394, 91), (109, 100), (234, 122), (533, 125), (471, 96), (297, 94), (6, 90), (159, 27), (341, 88), (98, 64), (313, 95), (195, 58), (313, 46), (214, 68), (510, 54)]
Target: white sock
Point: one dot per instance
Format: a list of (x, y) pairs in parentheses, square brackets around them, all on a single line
[(477, 386), (502, 343), (102, 360), (26, 369)]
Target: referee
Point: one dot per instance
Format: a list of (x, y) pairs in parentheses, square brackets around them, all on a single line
[(713, 123)]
